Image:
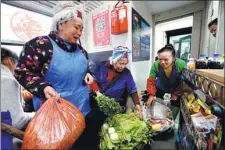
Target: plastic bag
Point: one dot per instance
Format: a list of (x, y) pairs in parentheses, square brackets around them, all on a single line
[(56, 125), (200, 122), (158, 110)]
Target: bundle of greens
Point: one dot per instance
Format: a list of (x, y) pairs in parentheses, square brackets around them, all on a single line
[(124, 131), (108, 105)]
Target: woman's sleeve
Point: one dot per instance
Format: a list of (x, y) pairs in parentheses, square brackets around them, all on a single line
[(131, 86), (151, 81), (132, 89), (135, 98), (95, 70), (14, 100), (34, 59), (94, 86)]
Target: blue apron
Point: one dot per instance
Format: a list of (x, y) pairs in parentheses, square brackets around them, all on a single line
[(166, 84), (66, 74)]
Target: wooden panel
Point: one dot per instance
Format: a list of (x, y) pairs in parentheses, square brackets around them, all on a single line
[(215, 74)]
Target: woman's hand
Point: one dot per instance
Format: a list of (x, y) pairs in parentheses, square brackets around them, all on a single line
[(139, 111), (150, 101), (98, 93), (88, 79), (51, 93), (173, 97), (26, 95)]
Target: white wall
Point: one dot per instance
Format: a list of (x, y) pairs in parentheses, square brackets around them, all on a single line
[(178, 12), (167, 26), (196, 34), (139, 70), (209, 12), (116, 40), (208, 42), (220, 42)]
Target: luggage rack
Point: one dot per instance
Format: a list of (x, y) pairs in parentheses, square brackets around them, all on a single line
[(213, 94)]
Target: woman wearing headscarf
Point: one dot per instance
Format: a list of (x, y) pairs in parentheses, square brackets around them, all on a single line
[(124, 85), (12, 102), (56, 65), (164, 77)]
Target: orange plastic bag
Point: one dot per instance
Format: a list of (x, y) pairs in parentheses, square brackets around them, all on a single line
[(56, 125)]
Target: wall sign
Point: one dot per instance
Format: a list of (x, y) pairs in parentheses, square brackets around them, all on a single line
[(140, 38), (25, 26), (101, 29)]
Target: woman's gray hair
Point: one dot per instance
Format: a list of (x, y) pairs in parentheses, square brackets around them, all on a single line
[(64, 11)]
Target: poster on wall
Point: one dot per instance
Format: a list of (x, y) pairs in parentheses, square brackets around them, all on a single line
[(140, 38), (101, 29)]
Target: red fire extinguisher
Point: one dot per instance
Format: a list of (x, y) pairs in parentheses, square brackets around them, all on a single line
[(123, 23), (115, 28)]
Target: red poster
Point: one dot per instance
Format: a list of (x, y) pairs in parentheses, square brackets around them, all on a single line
[(101, 29)]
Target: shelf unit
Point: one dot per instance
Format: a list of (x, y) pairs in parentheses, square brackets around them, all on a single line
[(208, 90)]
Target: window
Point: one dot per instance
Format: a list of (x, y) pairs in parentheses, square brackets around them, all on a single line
[(19, 26), (15, 49)]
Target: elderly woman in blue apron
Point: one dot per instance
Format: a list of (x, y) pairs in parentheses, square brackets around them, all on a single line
[(56, 65)]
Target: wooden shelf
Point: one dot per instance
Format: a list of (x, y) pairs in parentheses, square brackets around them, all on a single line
[(208, 83), (199, 80), (215, 74)]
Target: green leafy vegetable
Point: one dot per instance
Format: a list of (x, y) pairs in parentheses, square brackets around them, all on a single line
[(130, 132), (108, 105)]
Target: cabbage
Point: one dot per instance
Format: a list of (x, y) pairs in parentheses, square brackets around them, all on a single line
[(130, 132)]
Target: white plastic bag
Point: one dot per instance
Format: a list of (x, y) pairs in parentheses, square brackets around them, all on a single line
[(159, 110)]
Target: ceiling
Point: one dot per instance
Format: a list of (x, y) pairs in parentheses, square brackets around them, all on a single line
[(155, 6), (161, 6), (88, 6)]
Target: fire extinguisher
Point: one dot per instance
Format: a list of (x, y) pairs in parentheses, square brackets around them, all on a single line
[(123, 21), (115, 27)]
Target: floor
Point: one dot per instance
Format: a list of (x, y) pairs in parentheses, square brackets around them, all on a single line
[(164, 144)]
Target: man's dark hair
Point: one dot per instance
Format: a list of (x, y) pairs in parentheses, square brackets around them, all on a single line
[(167, 48), (215, 21), (5, 53)]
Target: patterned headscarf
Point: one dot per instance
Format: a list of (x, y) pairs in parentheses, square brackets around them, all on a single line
[(119, 53), (64, 11)]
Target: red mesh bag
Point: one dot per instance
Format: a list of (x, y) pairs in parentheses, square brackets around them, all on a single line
[(56, 125)]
